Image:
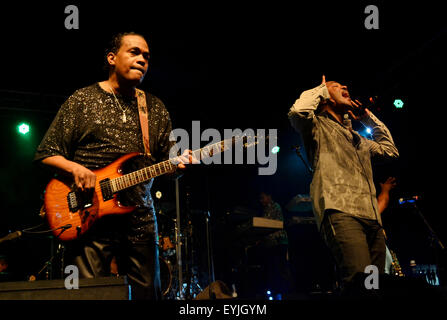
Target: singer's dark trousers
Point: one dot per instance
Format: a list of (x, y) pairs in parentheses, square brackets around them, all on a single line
[(136, 255), (355, 243)]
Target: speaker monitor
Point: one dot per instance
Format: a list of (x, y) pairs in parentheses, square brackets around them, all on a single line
[(216, 290), (89, 289)]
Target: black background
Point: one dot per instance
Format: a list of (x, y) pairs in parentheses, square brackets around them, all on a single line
[(233, 66)]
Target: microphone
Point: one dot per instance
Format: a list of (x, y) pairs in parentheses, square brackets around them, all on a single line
[(11, 236), (411, 199), (371, 103), (346, 121), (298, 153)]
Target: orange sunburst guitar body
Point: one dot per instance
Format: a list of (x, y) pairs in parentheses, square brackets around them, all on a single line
[(60, 212), (70, 213)]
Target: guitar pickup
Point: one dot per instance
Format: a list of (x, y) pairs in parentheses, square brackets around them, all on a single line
[(106, 189)]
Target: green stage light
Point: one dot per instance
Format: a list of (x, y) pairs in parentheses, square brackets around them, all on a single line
[(275, 149), (399, 104), (23, 128)]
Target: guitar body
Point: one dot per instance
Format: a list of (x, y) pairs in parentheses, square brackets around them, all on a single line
[(59, 213)]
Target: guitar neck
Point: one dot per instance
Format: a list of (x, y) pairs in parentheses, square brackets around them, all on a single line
[(147, 173), (140, 176)]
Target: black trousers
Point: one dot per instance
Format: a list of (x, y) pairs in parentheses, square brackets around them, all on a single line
[(133, 241), (355, 243)]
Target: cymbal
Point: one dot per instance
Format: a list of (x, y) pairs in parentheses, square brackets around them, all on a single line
[(300, 203)]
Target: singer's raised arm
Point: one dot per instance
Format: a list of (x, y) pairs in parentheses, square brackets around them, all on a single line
[(302, 112)]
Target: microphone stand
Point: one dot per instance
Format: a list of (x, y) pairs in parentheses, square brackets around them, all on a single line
[(11, 236), (210, 257), (299, 154), (434, 239), (59, 254), (48, 266), (188, 246), (178, 240)]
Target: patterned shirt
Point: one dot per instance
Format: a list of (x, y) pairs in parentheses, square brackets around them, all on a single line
[(341, 158), (88, 129)]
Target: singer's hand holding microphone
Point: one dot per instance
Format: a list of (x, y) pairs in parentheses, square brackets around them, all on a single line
[(358, 112)]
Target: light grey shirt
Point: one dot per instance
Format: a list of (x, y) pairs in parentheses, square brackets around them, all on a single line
[(340, 157)]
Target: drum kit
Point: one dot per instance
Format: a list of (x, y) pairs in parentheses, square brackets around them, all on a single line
[(178, 272), (167, 252), (300, 203)]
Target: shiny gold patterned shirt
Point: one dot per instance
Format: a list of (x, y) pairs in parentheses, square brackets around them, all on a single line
[(88, 129)]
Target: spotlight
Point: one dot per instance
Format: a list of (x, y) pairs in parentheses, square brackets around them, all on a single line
[(23, 128), (275, 149), (368, 130), (399, 104)]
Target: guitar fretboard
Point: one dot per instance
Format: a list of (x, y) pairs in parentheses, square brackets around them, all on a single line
[(147, 173), (140, 176)]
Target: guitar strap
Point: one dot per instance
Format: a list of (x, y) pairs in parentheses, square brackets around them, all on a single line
[(144, 122)]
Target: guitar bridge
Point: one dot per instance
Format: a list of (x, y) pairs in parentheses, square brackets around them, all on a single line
[(80, 200), (73, 203)]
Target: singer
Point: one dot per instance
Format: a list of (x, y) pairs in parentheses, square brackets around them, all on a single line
[(342, 189)]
